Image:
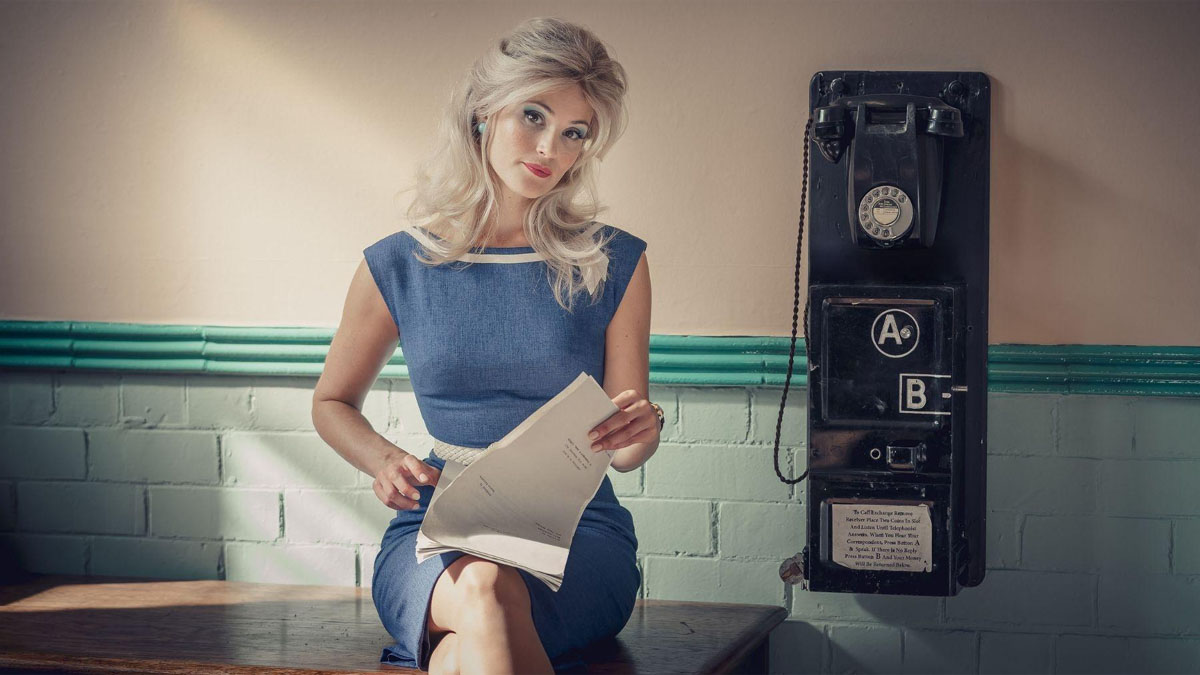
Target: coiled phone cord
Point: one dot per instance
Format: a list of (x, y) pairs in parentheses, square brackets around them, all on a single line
[(795, 312)]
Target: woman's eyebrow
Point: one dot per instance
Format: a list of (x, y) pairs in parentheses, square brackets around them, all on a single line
[(551, 111)]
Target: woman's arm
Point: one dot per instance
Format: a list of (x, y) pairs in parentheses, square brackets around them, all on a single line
[(365, 340), (634, 430)]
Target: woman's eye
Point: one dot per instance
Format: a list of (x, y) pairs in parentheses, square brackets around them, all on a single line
[(535, 116)]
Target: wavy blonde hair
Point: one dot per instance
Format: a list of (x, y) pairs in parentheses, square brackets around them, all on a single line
[(456, 189)]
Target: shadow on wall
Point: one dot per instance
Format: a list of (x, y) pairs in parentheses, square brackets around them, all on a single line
[(11, 571), (198, 477), (291, 510)]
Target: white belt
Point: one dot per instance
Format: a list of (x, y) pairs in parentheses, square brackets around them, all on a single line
[(457, 453)]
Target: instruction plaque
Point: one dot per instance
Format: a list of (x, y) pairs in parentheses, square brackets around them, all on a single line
[(881, 536)]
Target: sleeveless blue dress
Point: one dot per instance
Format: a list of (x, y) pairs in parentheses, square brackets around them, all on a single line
[(486, 344)]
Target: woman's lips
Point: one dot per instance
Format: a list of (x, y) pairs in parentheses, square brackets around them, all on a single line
[(536, 170)]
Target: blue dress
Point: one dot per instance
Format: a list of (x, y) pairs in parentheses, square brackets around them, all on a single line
[(486, 344)]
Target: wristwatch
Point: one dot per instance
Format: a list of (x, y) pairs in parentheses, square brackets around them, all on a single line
[(658, 411)]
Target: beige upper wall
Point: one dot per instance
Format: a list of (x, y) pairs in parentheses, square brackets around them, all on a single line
[(225, 163)]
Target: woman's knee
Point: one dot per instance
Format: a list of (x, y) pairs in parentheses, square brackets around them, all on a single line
[(474, 584), (485, 580)]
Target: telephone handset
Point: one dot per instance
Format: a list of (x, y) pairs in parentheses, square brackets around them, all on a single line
[(890, 167), (894, 183)]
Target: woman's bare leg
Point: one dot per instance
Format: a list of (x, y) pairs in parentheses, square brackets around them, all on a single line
[(487, 607), (444, 659)]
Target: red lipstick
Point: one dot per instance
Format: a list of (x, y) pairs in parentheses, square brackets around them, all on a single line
[(537, 169)]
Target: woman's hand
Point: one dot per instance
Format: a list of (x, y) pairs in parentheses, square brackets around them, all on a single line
[(396, 481), (635, 422)]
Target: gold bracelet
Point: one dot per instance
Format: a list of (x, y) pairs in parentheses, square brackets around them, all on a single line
[(658, 411)]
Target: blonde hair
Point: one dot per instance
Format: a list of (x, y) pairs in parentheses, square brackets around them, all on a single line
[(456, 190)]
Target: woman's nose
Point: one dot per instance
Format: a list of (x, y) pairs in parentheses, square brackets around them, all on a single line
[(546, 144)]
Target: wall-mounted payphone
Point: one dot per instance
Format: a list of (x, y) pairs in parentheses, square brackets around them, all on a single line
[(896, 333)]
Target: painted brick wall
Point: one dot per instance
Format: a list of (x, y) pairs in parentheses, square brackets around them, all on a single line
[(1093, 524)]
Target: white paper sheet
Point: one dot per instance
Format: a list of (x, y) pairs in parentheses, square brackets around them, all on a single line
[(519, 502)]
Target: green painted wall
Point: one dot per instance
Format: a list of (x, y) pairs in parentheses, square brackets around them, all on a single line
[(1093, 522), (674, 359)]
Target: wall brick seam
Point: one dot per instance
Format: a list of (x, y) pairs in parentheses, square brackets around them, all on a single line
[(1171, 547), (1056, 629), (165, 537), (143, 483), (690, 556), (1027, 629), (850, 622)]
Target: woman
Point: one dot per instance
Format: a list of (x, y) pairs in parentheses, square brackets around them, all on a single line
[(501, 290)]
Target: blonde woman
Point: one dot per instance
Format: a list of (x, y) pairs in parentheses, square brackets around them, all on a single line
[(501, 289)]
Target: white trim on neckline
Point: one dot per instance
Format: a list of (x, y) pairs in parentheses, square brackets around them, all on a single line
[(501, 257)]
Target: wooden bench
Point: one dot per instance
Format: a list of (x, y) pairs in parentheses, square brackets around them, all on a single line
[(113, 625)]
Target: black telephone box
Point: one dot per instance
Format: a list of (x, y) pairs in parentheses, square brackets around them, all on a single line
[(897, 331)]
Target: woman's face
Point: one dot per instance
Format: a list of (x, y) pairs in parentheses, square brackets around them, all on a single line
[(536, 142)]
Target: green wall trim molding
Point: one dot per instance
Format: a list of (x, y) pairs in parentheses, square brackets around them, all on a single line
[(674, 359)]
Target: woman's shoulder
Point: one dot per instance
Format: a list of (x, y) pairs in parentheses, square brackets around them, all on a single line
[(624, 251), (622, 241), (401, 242), (402, 237), (620, 237)]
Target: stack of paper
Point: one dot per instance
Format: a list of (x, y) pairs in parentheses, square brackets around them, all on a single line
[(519, 502)]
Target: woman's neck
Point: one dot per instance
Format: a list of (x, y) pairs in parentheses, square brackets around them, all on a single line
[(506, 227)]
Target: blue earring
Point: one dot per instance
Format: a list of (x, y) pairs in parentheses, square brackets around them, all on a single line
[(479, 128)]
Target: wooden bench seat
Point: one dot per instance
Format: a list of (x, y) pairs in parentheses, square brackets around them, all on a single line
[(111, 625)]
